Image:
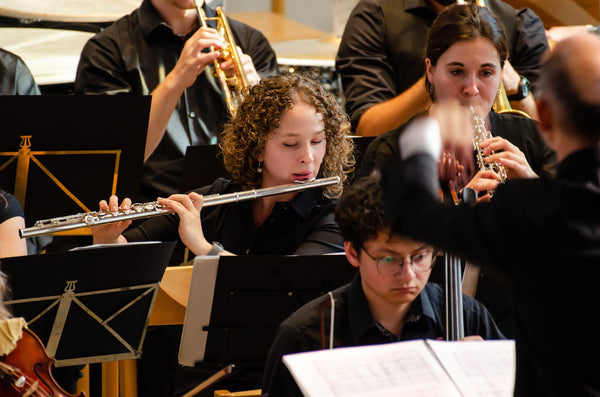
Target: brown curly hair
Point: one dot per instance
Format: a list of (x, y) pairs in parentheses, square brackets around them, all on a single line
[(244, 138)]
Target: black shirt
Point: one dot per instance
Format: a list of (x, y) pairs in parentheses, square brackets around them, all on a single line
[(520, 131), (545, 235), (382, 49), (9, 207), (354, 326), (304, 226), (15, 77), (134, 55)]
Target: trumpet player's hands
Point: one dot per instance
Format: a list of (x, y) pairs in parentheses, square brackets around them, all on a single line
[(110, 233), (484, 181), (247, 65), (508, 155), (510, 78), (193, 59), (187, 207)]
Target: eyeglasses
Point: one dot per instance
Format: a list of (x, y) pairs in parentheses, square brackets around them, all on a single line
[(388, 266)]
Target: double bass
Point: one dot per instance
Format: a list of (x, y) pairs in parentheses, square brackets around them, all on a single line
[(26, 371)]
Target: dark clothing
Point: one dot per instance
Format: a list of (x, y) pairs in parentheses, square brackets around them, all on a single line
[(304, 226), (354, 326), (518, 130), (545, 235), (15, 76), (382, 50), (9, 207), (134, 55)]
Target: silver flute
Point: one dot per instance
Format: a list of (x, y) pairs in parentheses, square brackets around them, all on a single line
[(153, 208)]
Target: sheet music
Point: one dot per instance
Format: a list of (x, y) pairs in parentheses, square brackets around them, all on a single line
[(385, 369), (479, 368), (412, 368)]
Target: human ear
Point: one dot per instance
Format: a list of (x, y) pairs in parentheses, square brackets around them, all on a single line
[(544, 114), (429, 69), (547, 121), (351, 253)]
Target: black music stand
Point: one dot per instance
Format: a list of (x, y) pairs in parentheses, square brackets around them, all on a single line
[(237, 302), (202, 165), (63, 154), (90, 305)]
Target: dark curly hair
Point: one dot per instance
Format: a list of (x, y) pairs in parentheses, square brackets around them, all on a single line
[(461, 22), (359, 213), (245, 136)]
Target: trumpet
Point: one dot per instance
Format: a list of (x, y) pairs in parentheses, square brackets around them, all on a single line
[(235, 86), (154, 208)]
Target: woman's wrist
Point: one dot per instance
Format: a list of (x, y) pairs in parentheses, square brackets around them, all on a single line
[(203, 248)]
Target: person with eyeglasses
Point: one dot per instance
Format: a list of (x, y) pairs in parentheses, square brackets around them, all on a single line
[(388, 300)]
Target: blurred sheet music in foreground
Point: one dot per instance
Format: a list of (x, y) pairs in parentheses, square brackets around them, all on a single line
[(411, 368)]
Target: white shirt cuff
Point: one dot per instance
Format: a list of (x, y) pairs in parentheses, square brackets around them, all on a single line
[(421, 136)]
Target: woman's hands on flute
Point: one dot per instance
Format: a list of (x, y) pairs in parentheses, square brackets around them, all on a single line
[(187, 207), (110, 233)]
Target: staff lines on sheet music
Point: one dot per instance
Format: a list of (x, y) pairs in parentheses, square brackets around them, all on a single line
[(484, 378), (359, 377)]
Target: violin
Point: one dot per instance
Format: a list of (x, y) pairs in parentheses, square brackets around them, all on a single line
[(25, 371)]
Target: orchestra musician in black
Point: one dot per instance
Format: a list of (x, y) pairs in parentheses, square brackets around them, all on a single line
[(15, 76), (464, 56), (161, 49), (542, 233), (389, 299), (288, 129), (380, 59)]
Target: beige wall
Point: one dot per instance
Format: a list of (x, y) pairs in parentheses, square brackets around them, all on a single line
[(314, 13)]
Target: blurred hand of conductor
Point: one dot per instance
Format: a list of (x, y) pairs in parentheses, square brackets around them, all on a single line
[(187, 207), (110, 233), (193, 60), (456, 131)]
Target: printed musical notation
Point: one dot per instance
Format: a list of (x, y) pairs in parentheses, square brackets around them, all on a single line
[(412, 368)]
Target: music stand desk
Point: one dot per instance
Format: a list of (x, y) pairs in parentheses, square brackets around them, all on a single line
[(62, 154), (236, 303)]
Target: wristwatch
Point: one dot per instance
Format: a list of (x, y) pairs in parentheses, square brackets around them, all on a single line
[(216, 249), (522, 90)]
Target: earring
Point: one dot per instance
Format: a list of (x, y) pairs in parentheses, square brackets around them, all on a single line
[(259, 168), (431, 90)]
